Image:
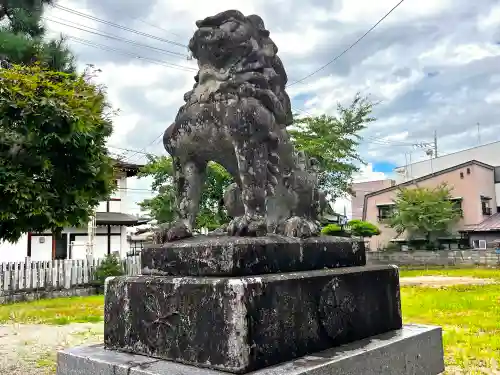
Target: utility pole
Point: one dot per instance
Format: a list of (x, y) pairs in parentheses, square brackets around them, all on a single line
[(478, 135), (435, 144)]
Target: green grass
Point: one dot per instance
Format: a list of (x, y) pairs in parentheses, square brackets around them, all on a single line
[(58, 311), (469, 315)]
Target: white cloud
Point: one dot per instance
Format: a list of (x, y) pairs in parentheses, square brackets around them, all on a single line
[(367, 173), (370, 12), (490, 20), (448, 53), (493, 97)]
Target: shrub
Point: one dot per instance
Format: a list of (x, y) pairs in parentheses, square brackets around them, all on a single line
[(331, 230), (363, 228), (110, 266)]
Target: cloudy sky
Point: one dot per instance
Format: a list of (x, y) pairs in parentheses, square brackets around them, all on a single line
[(431, 64)]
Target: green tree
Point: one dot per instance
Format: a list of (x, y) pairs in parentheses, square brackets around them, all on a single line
[(333, 141), (362, 228), (23, 36), (54, 165), (427, 212), (162, 207)]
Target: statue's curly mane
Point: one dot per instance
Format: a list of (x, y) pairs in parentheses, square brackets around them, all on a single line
[(236, 57)]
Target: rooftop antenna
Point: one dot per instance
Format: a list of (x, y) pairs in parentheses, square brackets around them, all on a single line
[(435, 144), (429, 153), (478, 135)]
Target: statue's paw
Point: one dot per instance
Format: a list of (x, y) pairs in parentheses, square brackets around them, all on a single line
[(171, 233), (245, 226), (219, 231), (299, 227)]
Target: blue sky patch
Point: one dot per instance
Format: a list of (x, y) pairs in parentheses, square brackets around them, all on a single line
[(301, 98), (383, 166)]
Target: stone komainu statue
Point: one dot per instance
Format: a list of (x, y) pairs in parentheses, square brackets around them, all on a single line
[(236, 115)]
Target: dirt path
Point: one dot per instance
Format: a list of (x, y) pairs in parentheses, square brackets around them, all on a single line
[(31, 349), (437, 281)]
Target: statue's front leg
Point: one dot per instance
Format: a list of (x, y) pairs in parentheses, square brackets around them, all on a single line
[(189, 178), (252, 168)]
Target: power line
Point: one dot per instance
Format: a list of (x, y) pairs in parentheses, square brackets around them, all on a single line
[(114, 37), (129, 149), (134, 189), (348, 48), (136, 56), (136, 152), (378, 141), (118, 26), (386, 142), (158, 27), (145, 147)]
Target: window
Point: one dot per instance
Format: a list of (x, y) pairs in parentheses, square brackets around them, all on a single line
[(497, 175), (457, 205), (479, 244), (385, 211), (485, 205)]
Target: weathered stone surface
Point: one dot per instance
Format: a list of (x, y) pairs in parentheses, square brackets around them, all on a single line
[(415, 349), (247, 323), (242, 256), (236, 115)]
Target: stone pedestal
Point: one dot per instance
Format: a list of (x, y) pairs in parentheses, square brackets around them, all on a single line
[(241, 324), (246, 304), (242, 304), (416, 350)]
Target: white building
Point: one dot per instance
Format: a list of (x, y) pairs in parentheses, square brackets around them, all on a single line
[(110, 230), (488, 154)]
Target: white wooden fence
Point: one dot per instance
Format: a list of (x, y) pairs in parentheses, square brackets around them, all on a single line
[(30, 277)]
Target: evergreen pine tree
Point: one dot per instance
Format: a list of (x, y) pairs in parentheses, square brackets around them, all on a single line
[(22, 36)]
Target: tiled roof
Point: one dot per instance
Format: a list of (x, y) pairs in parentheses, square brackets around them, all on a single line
[(131, 169), (115, 218), (491, 224)]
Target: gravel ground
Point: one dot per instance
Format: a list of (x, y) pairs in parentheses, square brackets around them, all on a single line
[(31, 349)]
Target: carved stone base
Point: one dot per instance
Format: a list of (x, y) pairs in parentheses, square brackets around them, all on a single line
[(247, 323), (416, 350), (242, 256)]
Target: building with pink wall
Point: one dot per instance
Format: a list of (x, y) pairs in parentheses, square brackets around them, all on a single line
[(473, 188), (360, 189)]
